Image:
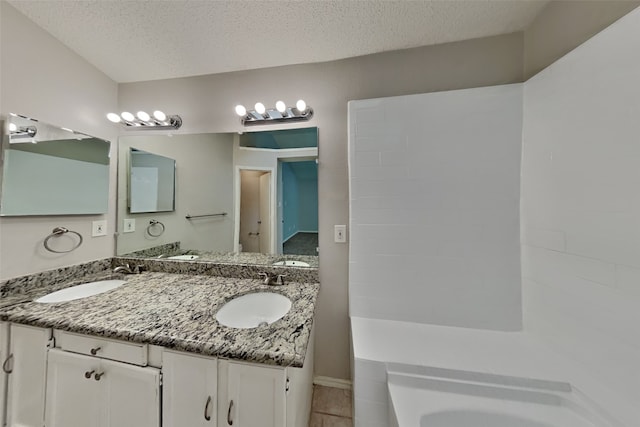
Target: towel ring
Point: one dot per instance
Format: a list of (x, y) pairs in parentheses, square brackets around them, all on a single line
[(152, 224), (59, 231)]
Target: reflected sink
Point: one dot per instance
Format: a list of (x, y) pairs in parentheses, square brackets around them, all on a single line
[(184, 257), (253, 310), (292, 263), (81, 291)]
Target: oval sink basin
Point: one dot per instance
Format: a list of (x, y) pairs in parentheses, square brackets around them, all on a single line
[(292, 263), (81, 291), (253, 310), (184, 257)]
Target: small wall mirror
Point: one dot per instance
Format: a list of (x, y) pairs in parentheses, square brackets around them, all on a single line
[(152, 180), (49, 170)]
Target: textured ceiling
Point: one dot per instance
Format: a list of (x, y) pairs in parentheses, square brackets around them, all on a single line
[(134, 40)]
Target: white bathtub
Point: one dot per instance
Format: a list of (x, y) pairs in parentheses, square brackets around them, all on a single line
[(464, 399), (416, 375)]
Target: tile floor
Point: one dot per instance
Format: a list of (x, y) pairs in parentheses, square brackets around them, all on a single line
[(331, 407)]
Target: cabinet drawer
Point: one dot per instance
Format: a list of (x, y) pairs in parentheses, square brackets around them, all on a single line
[(102, 347)]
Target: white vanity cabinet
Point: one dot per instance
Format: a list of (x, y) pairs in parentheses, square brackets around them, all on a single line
[(100, 382), (200, 391), (86, 391), (190, 390), (251, 395), (26, 381)]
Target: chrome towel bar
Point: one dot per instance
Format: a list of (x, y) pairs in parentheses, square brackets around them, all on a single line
[(202, 216)]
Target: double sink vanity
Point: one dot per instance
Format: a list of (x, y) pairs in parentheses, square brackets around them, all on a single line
[(175, 344)]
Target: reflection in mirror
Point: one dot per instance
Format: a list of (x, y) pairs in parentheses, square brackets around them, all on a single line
[(203, 185), (48, 170), (151, 182), (210, 171)]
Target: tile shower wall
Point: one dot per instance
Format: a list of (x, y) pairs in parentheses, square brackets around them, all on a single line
[(581, 207), (434, 207)]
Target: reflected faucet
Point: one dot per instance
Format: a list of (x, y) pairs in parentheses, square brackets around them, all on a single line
[(272, 279), (126, 268)]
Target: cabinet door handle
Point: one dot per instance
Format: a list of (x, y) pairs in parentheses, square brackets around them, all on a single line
[(229, 420), (207, 416), (95, 350), (5, 366), (98, 376), (88, 374)]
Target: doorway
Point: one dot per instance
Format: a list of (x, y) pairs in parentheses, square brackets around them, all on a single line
[(298, 206), (255, 234)]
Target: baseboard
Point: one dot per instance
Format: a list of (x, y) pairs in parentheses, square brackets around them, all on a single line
[(332, 382)]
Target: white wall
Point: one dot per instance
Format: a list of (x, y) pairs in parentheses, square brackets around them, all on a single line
[(43, 79), (581, 208), (204, 185), (434, 198)]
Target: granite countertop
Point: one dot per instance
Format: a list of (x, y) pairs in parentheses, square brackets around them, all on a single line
[(177, 311), (237, 258)]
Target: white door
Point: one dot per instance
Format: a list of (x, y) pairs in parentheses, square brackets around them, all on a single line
[(189, 390), (265, 213), (73, 394), (26, 390), (252, 395), (130, 395), (4, 364)]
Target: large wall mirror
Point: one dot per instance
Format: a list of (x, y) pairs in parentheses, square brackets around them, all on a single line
[(249, 198), (49, 170)]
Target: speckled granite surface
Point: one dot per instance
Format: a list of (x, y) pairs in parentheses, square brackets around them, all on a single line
[(238, 270), (52, 278), (178, 311), (168, 248), (243, 258)]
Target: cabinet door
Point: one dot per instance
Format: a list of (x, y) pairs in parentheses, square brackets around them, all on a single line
[(130, 395), (253, 395), (73, 395), (189, 390), (26, 391), (4, 355)]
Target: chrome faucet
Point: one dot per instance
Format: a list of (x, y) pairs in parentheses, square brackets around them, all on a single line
[(272, 279), (128, 270)]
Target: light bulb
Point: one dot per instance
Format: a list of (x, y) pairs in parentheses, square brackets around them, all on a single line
[(281, 106), (143, 116), (127, 116), (159, 115), (113, 117), (301, 106), (12, 127), (240, 110), (260, 109)]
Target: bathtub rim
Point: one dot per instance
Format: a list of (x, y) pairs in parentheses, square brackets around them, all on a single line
[(563, 393)]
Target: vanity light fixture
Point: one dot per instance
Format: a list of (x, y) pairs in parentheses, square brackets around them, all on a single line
[(281, 113), (144, 121)]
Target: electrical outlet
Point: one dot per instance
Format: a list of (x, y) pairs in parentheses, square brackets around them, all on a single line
[(340, 233), (99, 228), (129, 225)]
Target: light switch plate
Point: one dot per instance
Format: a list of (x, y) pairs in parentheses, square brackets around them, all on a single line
[(99, 228), (340, 233), (129, 225)]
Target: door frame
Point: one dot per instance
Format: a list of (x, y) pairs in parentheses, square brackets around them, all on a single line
[(272, 204)]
